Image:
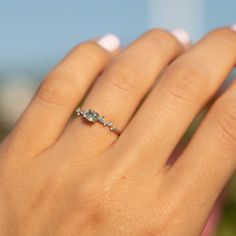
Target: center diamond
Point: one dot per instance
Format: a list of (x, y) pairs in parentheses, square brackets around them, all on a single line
[(91, 116)]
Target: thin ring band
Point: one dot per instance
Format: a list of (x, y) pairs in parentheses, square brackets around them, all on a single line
[(93, 117)]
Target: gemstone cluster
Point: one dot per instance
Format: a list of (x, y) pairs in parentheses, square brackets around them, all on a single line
[(93, 117)]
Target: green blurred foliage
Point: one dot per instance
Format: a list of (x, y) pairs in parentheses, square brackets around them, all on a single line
[(227, 226)]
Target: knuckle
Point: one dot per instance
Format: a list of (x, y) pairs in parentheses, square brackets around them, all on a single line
[(162, 36), (91, 52), (125, 75), (55, 90), (223, 32), (189, 81), (225, 36), (225, 116)]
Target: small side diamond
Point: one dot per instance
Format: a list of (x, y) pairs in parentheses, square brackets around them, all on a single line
[(110, 124), (78, 111), (102, 119)]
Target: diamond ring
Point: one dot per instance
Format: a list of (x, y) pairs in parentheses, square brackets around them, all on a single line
[(93, 117)]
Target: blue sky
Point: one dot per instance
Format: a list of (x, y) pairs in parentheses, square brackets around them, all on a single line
[(36, 34)]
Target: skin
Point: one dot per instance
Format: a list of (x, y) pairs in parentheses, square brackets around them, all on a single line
[(69, 178)]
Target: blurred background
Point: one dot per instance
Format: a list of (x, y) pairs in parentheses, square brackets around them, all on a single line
[(35, 35)]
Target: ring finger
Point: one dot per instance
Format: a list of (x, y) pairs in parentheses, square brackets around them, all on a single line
[(122, 86)]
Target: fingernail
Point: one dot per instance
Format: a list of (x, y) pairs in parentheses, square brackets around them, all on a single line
[(233, 27), (181, 35), (110, 42)]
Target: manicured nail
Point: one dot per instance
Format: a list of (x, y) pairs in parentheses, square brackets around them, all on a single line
[(181, 35), (110, 42), (233, 27)]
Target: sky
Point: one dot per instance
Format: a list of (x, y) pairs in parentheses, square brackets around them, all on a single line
[(34, 35)]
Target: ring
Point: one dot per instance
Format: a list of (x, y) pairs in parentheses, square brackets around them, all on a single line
[(93, 117)]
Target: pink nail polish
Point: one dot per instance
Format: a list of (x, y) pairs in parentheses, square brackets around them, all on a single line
[(110, 42), (233, 27), (181, 35)]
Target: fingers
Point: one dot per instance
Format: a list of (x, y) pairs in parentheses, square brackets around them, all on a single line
[(183, 37), (181, 93), (122, 86), (61, 91), (209, 160)]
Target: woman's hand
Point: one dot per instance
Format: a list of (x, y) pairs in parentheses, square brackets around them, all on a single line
[(60, 178)]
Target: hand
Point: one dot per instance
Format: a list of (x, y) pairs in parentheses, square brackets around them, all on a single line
[(71, 178)]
